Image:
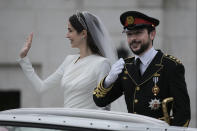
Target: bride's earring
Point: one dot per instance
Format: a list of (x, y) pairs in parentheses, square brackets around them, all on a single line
[(82, 38)]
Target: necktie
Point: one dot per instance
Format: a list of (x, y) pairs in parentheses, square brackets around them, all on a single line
[(137, 63)]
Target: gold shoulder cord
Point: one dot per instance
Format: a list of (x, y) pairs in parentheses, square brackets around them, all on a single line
[(173, 58)]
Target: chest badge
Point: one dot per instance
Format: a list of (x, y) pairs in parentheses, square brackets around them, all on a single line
[(154, 104), (155, 88)]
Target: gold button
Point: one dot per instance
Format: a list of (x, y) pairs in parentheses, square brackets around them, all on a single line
[(137, 88), (136, 100), (126, 72), (124, 78)]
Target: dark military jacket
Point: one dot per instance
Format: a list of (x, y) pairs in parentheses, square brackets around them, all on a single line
[(163, 78)]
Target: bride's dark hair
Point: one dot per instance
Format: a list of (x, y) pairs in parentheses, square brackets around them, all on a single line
[(98, 38), (76, 24)]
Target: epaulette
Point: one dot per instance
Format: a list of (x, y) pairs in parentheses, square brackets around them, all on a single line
[(173, 58), (128, 59)]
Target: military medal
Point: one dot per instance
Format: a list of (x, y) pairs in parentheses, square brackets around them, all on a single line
[(155, 88), (154, 104)]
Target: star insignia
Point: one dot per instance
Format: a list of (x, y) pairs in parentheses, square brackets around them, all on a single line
[(154, 104)]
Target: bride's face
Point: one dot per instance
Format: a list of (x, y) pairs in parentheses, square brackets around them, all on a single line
[(74, 37)]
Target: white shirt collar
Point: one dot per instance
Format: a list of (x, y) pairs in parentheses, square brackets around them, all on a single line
[(147, 57)]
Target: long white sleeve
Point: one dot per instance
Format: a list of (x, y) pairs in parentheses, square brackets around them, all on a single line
[(52, 81), (103, 70)]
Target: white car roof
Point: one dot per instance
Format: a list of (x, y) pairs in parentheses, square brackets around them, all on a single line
[(86, 118)]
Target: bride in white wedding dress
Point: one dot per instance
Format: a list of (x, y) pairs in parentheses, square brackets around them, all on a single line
[(78, 74)]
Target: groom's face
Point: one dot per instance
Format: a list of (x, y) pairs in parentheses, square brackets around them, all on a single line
[(139, 40)]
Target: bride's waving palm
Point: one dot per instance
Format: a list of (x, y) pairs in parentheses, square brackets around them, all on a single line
[(27, 46)]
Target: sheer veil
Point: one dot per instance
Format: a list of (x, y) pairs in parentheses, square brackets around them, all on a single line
[(100, 36)]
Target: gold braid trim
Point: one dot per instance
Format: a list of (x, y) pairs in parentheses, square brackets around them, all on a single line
[(101, 91), (186, 124)]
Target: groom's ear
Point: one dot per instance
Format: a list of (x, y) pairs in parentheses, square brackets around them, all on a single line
[(152, 34)]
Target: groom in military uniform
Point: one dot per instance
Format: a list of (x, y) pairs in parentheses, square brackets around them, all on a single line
[(149, 79)]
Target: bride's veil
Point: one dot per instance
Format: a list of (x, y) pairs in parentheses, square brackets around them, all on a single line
[(100, 36)]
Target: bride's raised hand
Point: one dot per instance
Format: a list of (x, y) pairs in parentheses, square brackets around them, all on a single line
[(27, 46)]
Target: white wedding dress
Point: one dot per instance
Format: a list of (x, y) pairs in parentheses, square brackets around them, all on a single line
[(77, 78)]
